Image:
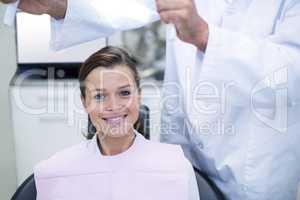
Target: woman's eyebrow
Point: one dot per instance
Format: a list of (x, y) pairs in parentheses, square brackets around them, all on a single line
[(98, 90), (125, 86), (102, 90)]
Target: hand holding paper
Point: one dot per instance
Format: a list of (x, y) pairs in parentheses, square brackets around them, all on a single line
[(55, 8), (7, 1), (190, 27)]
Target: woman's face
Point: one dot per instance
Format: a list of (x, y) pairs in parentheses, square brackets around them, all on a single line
[(112, 100)]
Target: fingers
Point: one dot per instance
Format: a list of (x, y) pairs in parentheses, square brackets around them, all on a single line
[(174, 16), (34, 6), (168, 16), (176, 12), (165, 5), (7, 1)]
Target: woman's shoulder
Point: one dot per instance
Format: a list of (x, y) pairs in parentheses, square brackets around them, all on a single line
[(63, 159), (162, 148), (165, 148), (165, 154)]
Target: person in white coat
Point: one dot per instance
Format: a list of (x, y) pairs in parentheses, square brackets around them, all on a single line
[(231, 95)]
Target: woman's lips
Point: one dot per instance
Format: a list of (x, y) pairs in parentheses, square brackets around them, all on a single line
[(114, 119)]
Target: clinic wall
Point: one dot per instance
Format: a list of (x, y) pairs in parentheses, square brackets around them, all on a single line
[(7, 153)]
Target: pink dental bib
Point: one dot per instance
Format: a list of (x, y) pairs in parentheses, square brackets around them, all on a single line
[(146, 171)]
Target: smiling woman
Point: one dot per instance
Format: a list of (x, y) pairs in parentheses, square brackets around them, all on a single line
[(118, 162), (110, 94)]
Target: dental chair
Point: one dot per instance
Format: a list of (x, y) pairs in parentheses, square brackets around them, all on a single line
[(207, 189)]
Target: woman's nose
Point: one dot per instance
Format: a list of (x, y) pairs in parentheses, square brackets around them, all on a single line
[(113, 103)]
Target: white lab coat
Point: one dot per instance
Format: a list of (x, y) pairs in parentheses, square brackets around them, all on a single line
[(235, 108), (146, 171)]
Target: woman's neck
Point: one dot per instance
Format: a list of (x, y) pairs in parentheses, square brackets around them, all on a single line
[(115, 145)]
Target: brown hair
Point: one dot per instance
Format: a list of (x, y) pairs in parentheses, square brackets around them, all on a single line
[(108, 57)]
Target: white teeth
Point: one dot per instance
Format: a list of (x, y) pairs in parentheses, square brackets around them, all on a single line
[(114, 120)]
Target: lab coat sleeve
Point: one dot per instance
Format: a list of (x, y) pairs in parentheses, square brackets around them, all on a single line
[(88, 20), (249, 59), (193, 187)]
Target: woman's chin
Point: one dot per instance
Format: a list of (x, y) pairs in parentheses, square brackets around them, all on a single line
[(118, 132)]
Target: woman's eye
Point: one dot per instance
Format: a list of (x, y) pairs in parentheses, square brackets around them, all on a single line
[(99, 97), (125, 93)]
